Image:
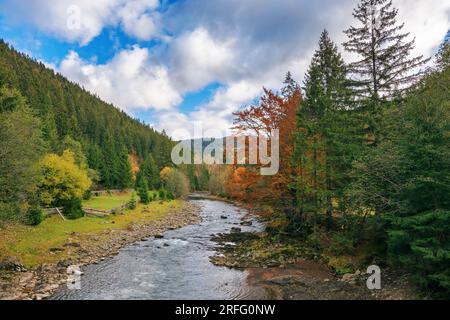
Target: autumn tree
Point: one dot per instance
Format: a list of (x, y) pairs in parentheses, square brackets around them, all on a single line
[(177, 184), (274, 112), (164, 174), (62, 182)]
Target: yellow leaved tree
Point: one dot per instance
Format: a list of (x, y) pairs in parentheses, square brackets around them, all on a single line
[(164, 174), (61, 179)]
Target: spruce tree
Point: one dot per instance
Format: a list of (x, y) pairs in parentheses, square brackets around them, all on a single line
[(326, 142), (150, 172), (143, 193), (385, 65), (290, 86), (443, 56), (125, 175)]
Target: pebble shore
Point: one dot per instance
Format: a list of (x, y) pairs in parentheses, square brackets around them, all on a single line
[(42, 281)]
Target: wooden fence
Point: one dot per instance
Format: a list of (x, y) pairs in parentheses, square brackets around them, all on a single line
[(90, 211), (106, 192), (103, 213), (87, 211)]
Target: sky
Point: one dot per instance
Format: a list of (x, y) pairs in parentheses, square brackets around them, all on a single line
[(176, 63)]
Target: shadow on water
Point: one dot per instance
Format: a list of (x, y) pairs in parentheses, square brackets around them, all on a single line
[(175, 267)]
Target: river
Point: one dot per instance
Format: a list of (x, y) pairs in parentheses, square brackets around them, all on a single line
[(174, 267)]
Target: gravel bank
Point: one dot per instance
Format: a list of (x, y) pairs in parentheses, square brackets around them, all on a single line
[(42, 281)]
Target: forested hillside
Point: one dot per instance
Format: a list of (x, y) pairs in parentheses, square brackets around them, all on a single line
[(67, 110)]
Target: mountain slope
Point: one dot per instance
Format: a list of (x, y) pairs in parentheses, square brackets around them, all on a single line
[(66, 109)]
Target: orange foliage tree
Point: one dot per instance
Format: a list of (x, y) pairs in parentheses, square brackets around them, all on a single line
[(275, 111)]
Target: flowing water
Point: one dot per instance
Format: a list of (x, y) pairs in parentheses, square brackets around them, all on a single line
[(175, 267)]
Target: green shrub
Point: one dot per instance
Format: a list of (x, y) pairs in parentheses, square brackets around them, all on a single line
[(177, 185), (341, 244), (34, 216), (8, 211), (162, 194), (87, 195), (421, 244), (143, 192), (132, 203), (73, 209)]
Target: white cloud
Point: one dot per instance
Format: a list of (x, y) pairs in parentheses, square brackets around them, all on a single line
[(197, 59), (83, 20), (427, 20), (129, 80), (138, 21), (243, 45)]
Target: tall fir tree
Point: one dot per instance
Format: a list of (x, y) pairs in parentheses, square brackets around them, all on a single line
[(290, 87), (443, 56), (125, 174), (326, 140), (149, 171), (385, 65)]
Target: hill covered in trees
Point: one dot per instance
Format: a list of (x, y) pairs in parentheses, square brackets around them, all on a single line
[(58, 142), (68, 112)]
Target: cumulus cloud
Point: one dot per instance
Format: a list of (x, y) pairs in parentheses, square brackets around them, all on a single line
[(130, 80), (83, 20), (242, 45), (268, 38), (197, 59), (139, 20)]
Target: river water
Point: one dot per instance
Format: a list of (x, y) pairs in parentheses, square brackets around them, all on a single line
[(175, 267)]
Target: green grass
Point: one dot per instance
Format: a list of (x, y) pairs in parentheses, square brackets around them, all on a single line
[(31, 245), (107, 202)]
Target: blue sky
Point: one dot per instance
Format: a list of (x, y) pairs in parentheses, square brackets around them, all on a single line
[(172, 63)]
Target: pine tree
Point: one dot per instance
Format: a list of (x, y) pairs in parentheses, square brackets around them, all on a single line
[(325, 141), (405, 181), (125, 175), (385, 65), (443, 56), (109, 170), (143, 193), (290, 86), (150, 172)]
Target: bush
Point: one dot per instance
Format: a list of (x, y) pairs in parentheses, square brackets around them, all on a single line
[(177, 184), (132, 203), (341, 244), (143, 192), (421, 244), (8, 211), (34, 216), (87, 195), (73, 209), (162, 194)]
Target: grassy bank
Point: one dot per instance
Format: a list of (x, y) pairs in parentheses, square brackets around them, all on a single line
[(109, 202), (37, 245)]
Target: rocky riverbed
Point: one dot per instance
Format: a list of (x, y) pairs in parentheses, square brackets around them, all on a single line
[(42, 281), (288, 270)]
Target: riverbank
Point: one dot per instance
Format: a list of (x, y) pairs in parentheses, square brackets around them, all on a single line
[(34, 260), (290, 270)]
